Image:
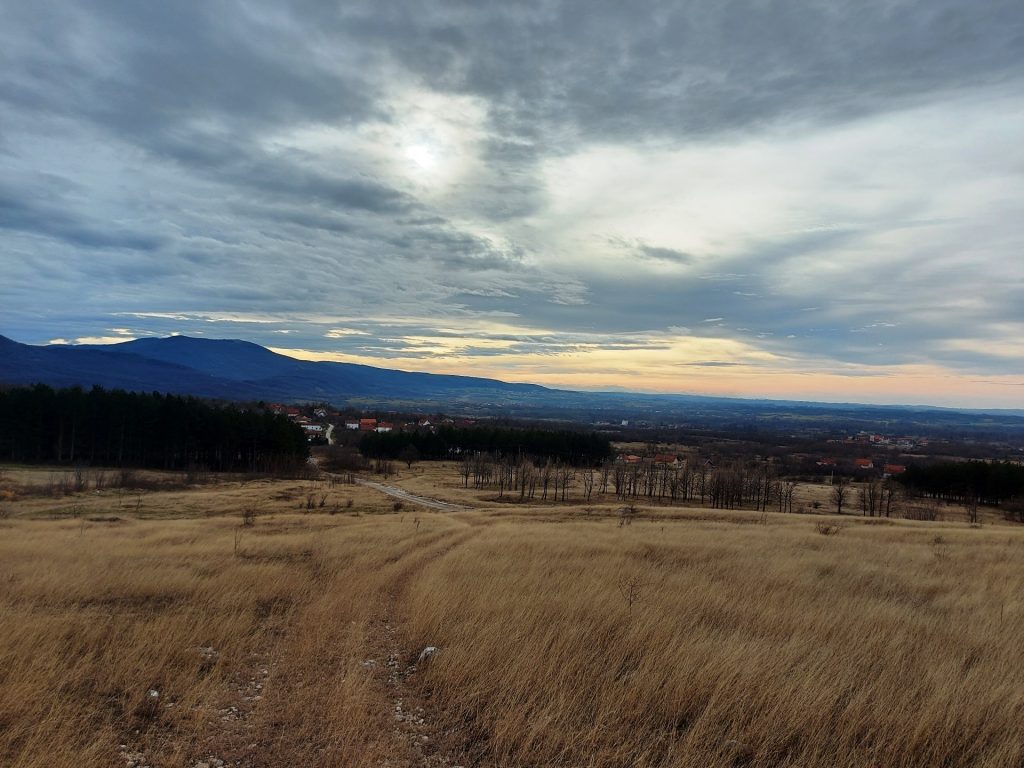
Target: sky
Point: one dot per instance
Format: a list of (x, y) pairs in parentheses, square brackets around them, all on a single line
[(772, 198)]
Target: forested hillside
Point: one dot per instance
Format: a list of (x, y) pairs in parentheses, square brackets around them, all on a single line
[(122, 429)]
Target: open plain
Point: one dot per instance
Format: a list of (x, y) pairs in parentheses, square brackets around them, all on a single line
[(264, 622)]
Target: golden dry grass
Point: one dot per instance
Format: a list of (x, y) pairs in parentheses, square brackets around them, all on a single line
[(753, 644), (94, 617), (761, 645)]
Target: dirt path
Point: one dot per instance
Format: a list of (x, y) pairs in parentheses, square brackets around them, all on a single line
[(413, 724), (417, 725), (404, 495)]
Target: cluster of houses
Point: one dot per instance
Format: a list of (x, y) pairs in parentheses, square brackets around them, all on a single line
[(423, 423), (369, 425), (665, 460), (864, 465), (903, 442), (314, 421)]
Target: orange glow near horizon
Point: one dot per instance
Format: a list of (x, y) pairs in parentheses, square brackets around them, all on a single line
[(658, 371)]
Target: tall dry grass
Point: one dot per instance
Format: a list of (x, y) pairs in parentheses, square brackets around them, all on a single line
[(256, 653), (746, 644), (704, 639)]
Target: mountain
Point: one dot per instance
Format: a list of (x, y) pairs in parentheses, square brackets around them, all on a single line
[(67, 366), (240, 370), (222, 358), (230, 369), (247, 362)]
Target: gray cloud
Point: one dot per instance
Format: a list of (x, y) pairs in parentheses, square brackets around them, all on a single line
[(251, 157), (665, 254), (611, 69), (53, 221)]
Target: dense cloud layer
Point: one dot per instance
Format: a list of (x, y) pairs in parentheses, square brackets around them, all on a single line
[(756, 198)]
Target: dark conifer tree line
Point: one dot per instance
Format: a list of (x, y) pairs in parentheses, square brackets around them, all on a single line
[(575, 448), (125, 429), (966, 481)]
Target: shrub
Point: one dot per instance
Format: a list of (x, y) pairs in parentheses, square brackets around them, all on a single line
[(827, 529)]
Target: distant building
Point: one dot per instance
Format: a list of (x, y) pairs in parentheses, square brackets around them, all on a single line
[(670, 460), (385, 426), (864, 463)]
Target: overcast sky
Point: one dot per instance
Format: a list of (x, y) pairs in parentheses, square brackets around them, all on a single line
[(774, 198)]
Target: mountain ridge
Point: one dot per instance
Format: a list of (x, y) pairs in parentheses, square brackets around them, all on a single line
[(234, 369)]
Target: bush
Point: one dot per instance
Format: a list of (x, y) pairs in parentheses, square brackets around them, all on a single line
[(342, 458), (827, 529)]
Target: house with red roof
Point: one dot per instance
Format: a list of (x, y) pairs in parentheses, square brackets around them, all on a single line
[(669, 460)]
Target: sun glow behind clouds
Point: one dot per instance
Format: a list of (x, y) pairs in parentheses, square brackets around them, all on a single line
[(423, 156), (431, 141)]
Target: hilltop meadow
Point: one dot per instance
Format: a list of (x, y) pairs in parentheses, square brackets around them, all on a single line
[(175, 620)]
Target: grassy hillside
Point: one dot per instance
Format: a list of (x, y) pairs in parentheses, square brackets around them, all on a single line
[(163, 632)]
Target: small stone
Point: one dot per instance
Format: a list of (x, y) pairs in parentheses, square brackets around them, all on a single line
[(427, 653)]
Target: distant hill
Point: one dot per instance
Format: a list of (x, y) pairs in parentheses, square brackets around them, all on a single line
[(239, 370), (109, 367), (231, 369)]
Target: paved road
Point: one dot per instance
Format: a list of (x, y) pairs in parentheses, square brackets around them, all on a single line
[(404, 495)]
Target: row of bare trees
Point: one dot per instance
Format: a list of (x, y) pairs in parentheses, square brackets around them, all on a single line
[(736, 485), (878, 498), (739, 484), (521, 476)]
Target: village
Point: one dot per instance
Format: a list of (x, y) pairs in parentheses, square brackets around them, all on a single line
[(320, 420)]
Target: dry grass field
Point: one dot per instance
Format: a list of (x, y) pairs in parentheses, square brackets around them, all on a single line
[(163, 632)]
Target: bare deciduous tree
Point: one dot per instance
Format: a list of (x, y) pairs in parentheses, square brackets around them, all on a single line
[(840, 493), (588, 483)]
